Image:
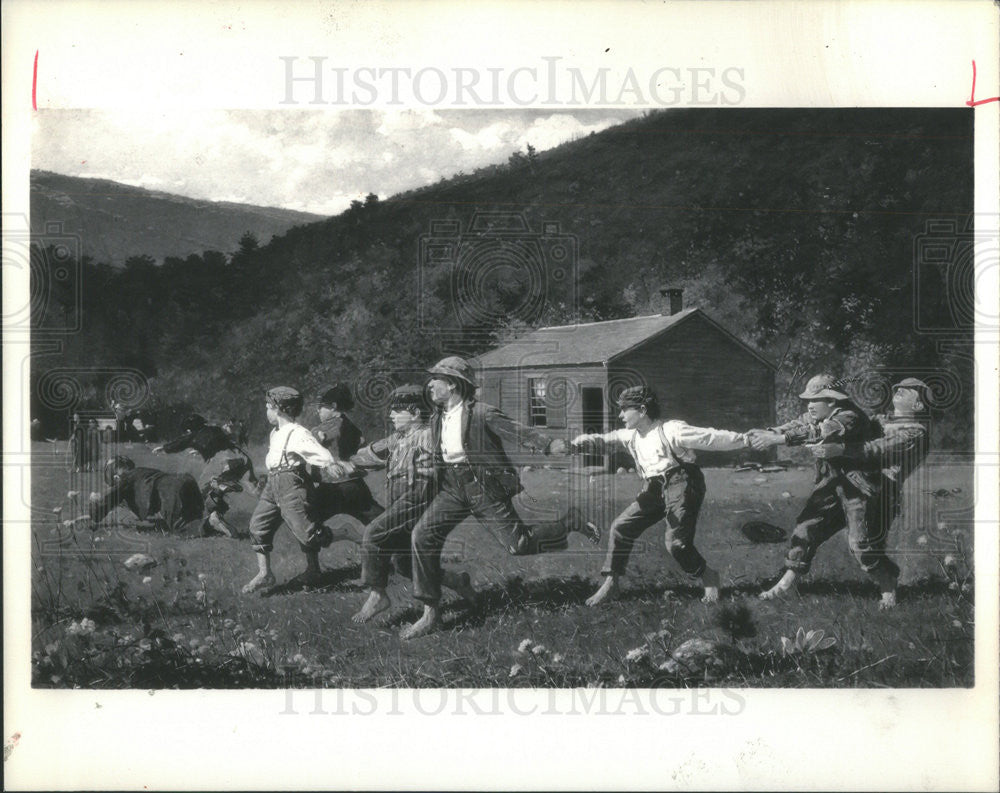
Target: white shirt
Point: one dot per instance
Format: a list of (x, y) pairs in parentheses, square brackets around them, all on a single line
[(451, 434), (295, 439), (653, 457)]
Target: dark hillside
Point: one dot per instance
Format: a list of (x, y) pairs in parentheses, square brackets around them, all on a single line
[(795, 228)]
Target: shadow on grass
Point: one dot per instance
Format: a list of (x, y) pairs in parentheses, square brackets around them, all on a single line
[(328, 579)]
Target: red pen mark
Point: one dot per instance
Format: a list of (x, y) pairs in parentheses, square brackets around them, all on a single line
[(34, 83), (972, 99)]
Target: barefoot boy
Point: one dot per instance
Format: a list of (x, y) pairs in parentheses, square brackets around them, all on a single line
[(408, 460), (673, 489), (844, 493), (474, 476), (288, 493), (892, 457)]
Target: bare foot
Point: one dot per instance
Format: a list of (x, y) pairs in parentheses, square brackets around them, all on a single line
[(888, 601), (710, 580), (785, 585), (426, 624), (259, 582), (218, 524), (377, 603), (608, 591)]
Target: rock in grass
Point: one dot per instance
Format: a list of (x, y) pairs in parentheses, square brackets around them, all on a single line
[(140, 562), (704, 659)]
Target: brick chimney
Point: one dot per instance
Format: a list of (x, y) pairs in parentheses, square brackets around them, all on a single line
[(673, 300)]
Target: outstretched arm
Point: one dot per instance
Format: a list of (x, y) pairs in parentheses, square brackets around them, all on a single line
[(517, 434)]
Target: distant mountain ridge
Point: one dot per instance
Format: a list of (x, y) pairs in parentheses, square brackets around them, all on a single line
[(115, 221)]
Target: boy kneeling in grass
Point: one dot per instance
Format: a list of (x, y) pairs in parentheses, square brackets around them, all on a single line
[(287, 496), (408, 459), (673, 490)]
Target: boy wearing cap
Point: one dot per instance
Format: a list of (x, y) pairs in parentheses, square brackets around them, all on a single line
[(844, 492), (335, 430), (892, 457), (287, 495), (474, 476), (674, 487), (408, 459)]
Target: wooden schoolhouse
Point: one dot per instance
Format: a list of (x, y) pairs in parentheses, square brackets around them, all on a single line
[(567, 378)]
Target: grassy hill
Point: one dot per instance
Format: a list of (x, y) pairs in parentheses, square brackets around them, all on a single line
[(796, 228), (115, 221)]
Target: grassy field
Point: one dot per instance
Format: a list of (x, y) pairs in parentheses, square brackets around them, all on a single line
[(184, 623)]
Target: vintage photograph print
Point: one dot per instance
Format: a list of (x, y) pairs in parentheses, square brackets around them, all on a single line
[(502, 398)]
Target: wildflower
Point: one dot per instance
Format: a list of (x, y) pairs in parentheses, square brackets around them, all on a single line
[(200, 595), (259, 632), (201, 649), (147, 580), (210, 640), (557, 658), (178, 638), (524, 646), (621, 679), (966, 587), (274, 636), (950, 561), (194, 643), (87, 626), (956, 623), (202, 576), (145, 645), (953, 586), (515, 670), (298, 658), (52, 649), (539, 649), (57, 679), (922, 540), (636, 654)]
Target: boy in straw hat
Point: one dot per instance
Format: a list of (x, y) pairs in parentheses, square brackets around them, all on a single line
[(891, 458), (408, 459), (673, 490), (288, 495), (844, 493), (474, 476)]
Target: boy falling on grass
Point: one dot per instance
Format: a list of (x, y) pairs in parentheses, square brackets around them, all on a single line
[(288, 493), (408, 459), (845, 492), (673, 489)]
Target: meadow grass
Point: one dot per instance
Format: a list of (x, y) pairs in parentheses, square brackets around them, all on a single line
[(184, 623)]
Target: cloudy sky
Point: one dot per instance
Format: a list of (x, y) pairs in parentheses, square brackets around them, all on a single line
[(308, 160)]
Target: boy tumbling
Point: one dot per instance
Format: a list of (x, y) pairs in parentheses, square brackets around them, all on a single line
[(408, 460), (225, 463), (845, 492), (674, 487), (474, 476), (169, 502), (288, 493)]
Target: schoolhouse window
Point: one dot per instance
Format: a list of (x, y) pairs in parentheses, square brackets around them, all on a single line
[(536, 402)]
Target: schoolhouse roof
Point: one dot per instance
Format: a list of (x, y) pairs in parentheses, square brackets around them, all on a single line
[(595, 343)]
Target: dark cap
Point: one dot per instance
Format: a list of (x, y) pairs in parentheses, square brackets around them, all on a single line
[(453, 366), (338, 394), (193, 422), (911, 382), (409, 396), (637, 396), (116, 465), (285, 399)]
